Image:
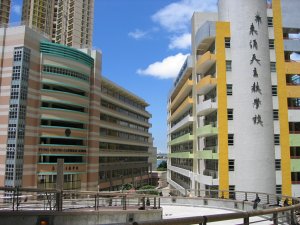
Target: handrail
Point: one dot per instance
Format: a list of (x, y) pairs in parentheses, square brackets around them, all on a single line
[(269, 204)]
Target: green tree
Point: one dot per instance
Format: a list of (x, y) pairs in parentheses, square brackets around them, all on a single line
[(127, 187), (162, 166)]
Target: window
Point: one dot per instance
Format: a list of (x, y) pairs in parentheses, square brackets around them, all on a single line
[(230, 114), (277, 139), (274, 90), (278, 189), (277, 164), (231, 139), (229, 89), (295, 177), (228, 65), (275, 114), (273, 66), (270, 21), (231, 164), (227, 42), (232, 191), (271, 44)]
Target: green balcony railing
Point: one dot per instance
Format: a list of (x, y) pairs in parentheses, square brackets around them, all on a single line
[(181, 155), (181, 139), (295, 165), (295, 140), (206, 154), (207, 131)]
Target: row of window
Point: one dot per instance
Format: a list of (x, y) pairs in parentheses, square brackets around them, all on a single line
[(228, 45), (123, 111), (122, 135), (123, 123), (16, 75), (229, 66), (187, 130), (66, 72), (121, 97), (184, 147), (230, 114), (231, 139), (121, 147), (13, 111), (122, 159), (229, 90)]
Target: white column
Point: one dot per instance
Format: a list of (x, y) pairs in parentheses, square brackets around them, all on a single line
[(253, 141)]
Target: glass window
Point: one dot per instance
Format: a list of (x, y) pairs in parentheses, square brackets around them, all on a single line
[(228, 65), (231, 139), (227, 42), (270, 21), (271, 44), (229, 89), (277, 139), (230, 114)]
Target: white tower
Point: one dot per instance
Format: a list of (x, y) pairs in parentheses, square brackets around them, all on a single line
[(252, 96)]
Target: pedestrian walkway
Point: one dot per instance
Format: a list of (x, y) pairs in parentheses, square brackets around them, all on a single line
[(170, 212)]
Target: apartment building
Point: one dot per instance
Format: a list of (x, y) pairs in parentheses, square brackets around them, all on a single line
[(68, 22), (126, 146), (234, 110), (4, 12), (54, 105)]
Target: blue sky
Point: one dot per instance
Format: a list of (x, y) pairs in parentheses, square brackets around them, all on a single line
[(144, 43)]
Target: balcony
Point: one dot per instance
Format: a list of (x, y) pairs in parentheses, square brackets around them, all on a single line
[(187, 120), (295, 165), (293, 91), (207, 154), (292, 45), (184, 73), (292, 67), (207, 131), (205, 36), (295, 140), (185, 90), (181, 155), (211, 173), (185, 167), (206, 107), (185, 105), (205, 62), (206, 84), (181, 139), (294, 115)]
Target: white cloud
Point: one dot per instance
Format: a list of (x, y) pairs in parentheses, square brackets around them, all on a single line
[(175, 17), (17, 9), (137, 34), (180, 42), (165, 69)]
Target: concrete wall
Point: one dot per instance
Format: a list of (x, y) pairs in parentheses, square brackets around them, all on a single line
[(253, 143), (78, 218)]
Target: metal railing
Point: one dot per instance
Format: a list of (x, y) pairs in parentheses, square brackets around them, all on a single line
[(17, 199), (269, 207)]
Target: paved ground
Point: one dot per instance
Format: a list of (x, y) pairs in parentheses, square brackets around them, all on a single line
[(186, 211)]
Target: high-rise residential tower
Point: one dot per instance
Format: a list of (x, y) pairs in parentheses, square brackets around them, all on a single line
[(68, 22), (4, 11), (234, 111)]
